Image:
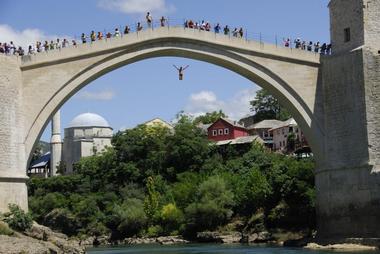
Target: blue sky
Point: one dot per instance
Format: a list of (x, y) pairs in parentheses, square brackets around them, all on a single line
[(139, 92)]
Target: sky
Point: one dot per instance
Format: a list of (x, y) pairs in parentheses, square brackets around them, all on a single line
[(148, 89)]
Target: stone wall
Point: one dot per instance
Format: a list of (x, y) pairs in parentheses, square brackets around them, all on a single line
[(346, 141), (348, 186), (372, 24), (12, 151), (372, 98), (346, 14)]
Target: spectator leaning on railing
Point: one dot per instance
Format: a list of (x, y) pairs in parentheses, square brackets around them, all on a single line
[(11, 49)]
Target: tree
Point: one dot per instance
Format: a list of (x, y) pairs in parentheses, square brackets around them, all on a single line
[(212, 207), (209, 117), (291, 142), (265, 106), (187, 148), (151, 202), (127, 219)]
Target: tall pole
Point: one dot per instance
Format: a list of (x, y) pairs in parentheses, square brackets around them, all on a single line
[(55, 143)]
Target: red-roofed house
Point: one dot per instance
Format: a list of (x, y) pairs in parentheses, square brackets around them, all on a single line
[(225, 129)]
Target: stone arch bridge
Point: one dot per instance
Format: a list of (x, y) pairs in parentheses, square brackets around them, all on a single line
[(329, 96)]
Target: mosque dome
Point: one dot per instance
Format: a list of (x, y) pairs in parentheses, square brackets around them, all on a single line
[(88, 120)]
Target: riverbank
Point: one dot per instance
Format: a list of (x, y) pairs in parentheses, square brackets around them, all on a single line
[(39, 240), (208, 248), (276, 238)]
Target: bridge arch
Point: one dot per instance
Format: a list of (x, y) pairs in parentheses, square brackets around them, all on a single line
[(240, 61)]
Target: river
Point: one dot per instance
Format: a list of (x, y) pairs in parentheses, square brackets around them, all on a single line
[(210, 249)]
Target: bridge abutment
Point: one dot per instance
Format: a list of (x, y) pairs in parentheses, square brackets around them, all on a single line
[(348, 183), (12, 152), (348, 203)]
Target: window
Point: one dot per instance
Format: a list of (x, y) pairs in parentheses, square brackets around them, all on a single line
[(220, 131), (283, 131), (290, 129), (226, 131), (214, 133), (347, 34)]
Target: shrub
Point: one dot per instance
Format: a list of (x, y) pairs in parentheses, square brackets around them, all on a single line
[(154, 231), (63, 220), (17, 219), (213, 207), (4, 229), (171, 217), (129, 218)]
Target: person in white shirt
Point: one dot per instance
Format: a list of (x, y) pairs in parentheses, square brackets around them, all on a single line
[(149, 19)]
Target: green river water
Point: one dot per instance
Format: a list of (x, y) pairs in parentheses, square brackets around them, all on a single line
[(210, 249)]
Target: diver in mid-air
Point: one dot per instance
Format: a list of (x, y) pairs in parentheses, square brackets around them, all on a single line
[(180, 71)]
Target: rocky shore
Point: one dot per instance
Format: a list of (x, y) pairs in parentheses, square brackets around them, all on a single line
[(39, 240), (202, 237), (42, 240), (163, 240)]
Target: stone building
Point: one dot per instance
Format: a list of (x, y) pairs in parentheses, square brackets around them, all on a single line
[(262, 129), (281, 133), (86, 135)]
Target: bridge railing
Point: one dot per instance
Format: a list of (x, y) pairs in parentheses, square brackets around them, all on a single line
[(169, 23), (249, 35)]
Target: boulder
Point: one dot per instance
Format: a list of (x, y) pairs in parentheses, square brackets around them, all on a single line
[(208, 237), (263, 237), (168, 240), (27, 245), (234, 237), (59, 240), (216, 237), (249, 238)]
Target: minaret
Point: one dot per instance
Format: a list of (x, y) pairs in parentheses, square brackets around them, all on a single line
[(55, 143)]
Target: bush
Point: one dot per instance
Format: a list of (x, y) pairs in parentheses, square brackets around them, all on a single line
[(171, 217), (17, 219), (4, 229), (154, 231), (63, 220), (213, 207), (129, 218), (251, 191)]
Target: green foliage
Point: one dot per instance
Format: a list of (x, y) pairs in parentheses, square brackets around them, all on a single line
[(17, 219), (154, 231), (151, 202), (61, 219), (187, 149), (5, 230), (209, 118), (212, 207), (156, 182), (128, 219), (266, 106), (171, 218), (251, 191)]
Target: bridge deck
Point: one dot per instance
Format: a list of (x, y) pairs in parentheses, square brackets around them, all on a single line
[(172, 34)]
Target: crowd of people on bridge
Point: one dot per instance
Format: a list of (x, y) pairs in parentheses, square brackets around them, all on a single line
[(45, 46), (317, 47), (206, 26)]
